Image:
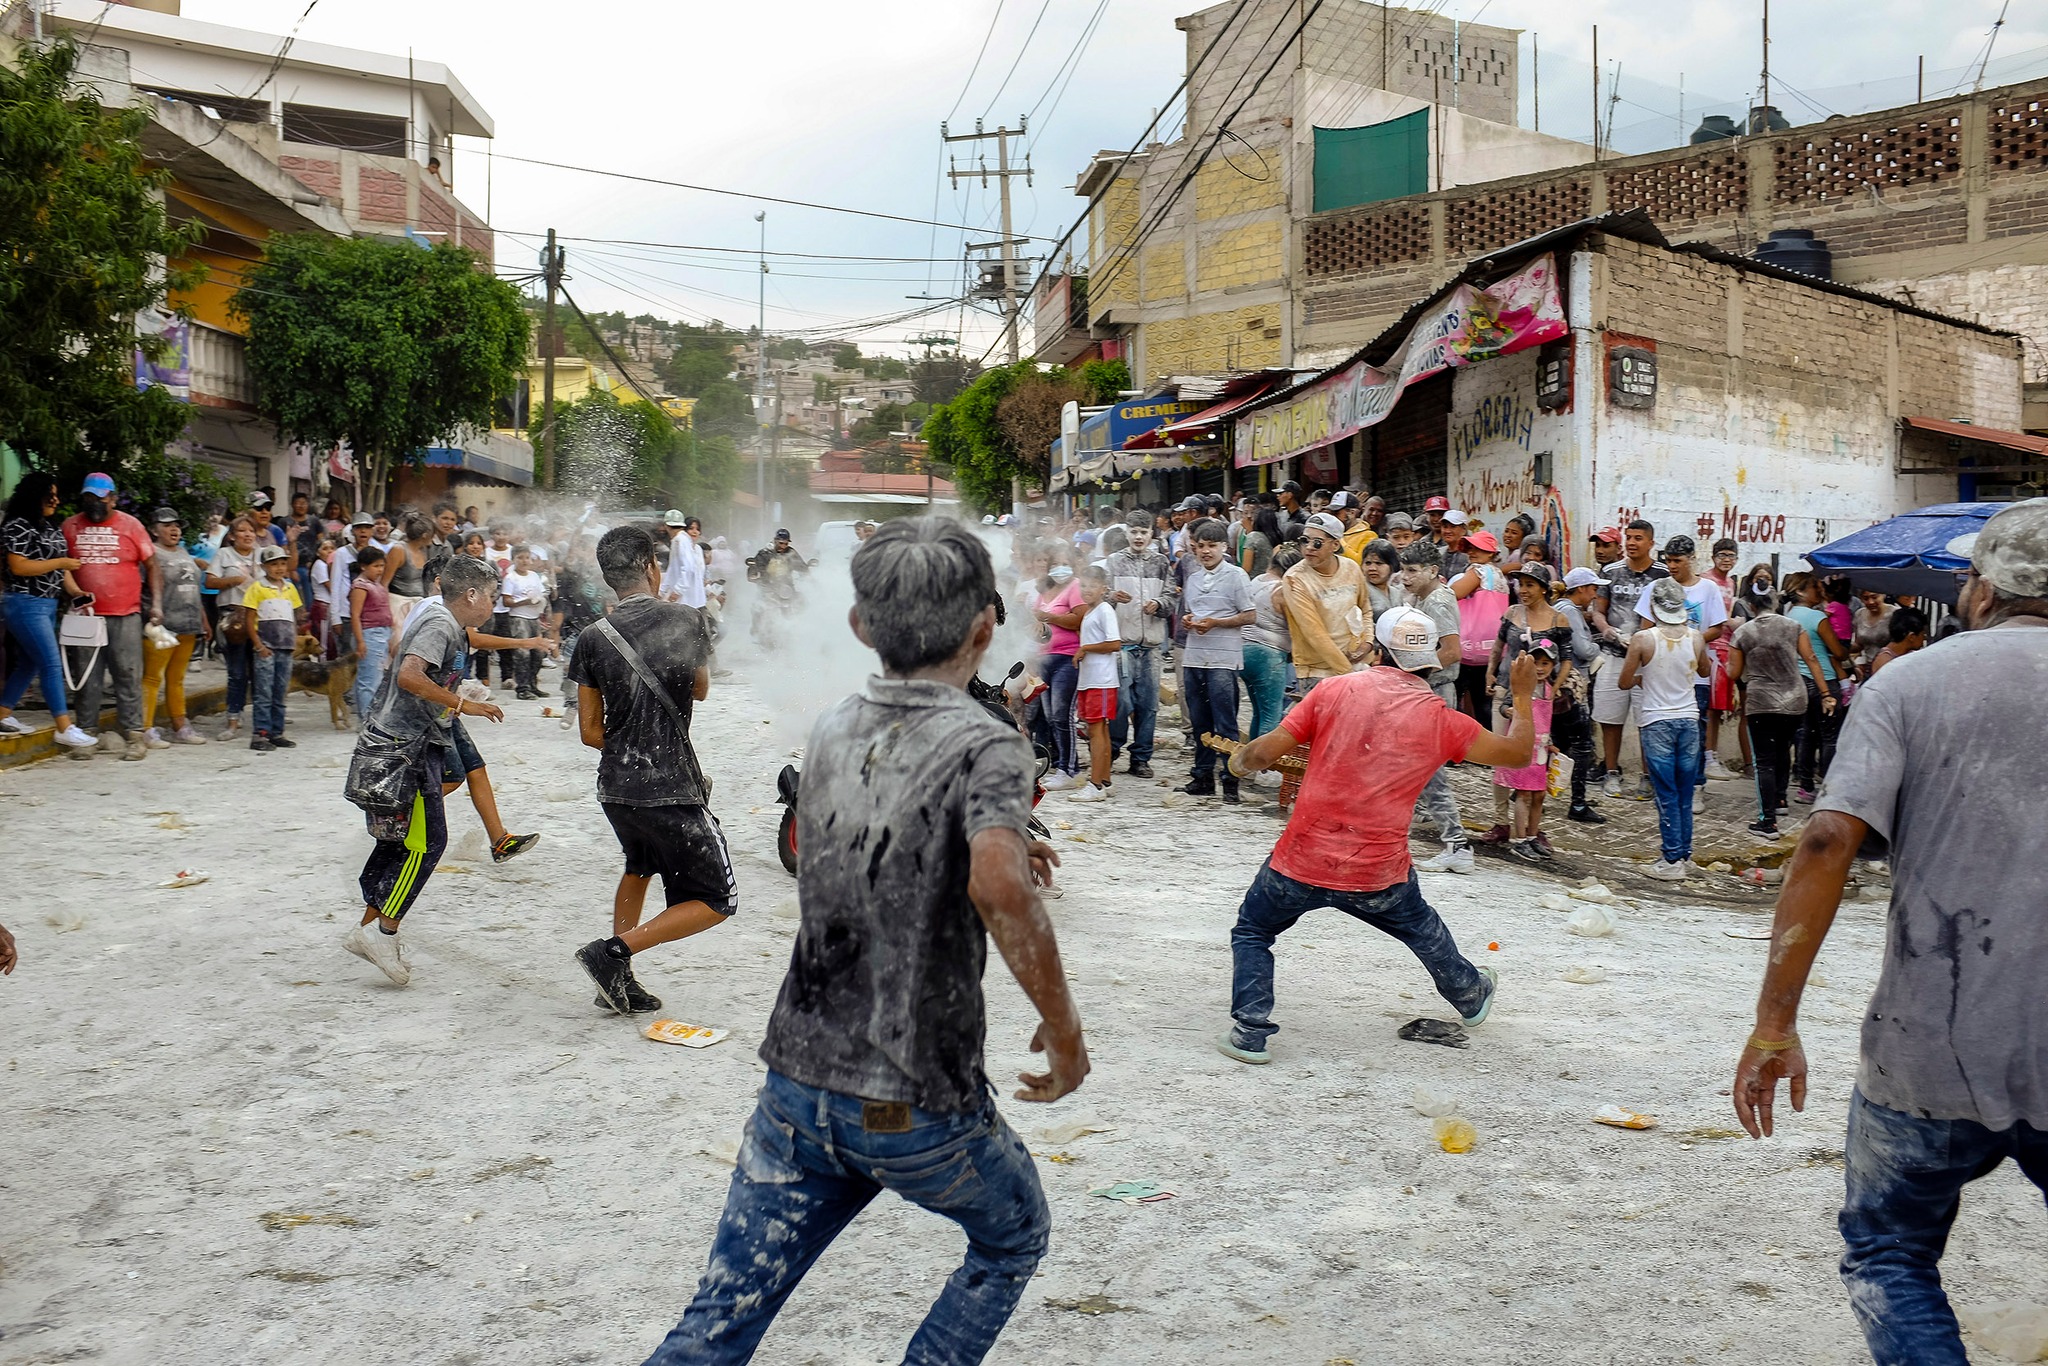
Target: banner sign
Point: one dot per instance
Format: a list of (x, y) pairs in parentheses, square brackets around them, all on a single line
[(1467, 326), (1110, 428), (174, 370)]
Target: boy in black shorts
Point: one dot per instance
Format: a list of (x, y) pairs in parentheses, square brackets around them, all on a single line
[(637, 674)]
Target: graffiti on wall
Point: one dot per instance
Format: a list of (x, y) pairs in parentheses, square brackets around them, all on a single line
[(1743, 526), (1492, 466)]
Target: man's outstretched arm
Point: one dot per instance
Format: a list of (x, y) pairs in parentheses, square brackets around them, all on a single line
[(999, 882)]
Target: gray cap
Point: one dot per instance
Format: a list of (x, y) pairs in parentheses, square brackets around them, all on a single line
[(271, 552), (1409, 636), (1398, 521), (1667, 602), (2011, 552), (673, 517), (362, 519)]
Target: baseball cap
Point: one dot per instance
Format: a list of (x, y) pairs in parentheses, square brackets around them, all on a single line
[(1582, 577), (1608, 535), (674, 517), (362, 519), (1456, 517), (1194, 502), (1536, 573), (1409, 636), (101, 484), (1483, 542), (162, 515), (1437, 504), (271, 552), (1545, 646), (782, 533), (259, 499), (2011, 552), (1328, 525), (1680, 545), (1343, 498), (1667, 602), (1398, 521)]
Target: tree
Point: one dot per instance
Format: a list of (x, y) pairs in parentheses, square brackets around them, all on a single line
[(83, 234), (887, 419), (385, 345), (632, 452), (703, 356), (939, 379), (724, 409), (1105, 380), (792, 348), (1000, 428), (846, 357), (884, 367)]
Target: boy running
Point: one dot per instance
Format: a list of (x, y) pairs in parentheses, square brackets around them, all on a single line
[(913, 831)]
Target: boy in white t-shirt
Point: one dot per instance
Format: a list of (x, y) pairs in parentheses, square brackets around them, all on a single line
[(1095, 687), (523, 597)]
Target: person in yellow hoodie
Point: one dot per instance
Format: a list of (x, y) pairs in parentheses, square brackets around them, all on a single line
[(1329, 615), (1345, 507)]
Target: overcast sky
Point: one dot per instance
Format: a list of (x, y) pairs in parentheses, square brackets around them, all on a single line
[(840, 103)]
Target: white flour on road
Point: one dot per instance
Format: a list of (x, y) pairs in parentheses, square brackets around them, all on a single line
[(229, 1140)]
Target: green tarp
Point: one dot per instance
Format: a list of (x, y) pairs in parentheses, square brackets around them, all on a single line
[(1365, 165)]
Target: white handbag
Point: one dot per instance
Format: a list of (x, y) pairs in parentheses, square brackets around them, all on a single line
[(81, 631)]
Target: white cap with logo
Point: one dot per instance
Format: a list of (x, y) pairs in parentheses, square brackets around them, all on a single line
[(1409, 636)]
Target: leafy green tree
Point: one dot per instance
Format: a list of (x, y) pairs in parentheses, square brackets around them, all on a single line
[(385, 345), (634, 453), (884, 367), (1105, 380), (724, 409), (83, 233), (889, 418), (791, 348), (846, 357), (690, 372), (997, 430), (154, 478)]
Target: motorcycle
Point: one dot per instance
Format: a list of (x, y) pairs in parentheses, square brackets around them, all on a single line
[(778, 600), (994, 698)]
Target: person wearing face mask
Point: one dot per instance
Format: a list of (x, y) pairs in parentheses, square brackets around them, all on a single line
[(1141, 584), (112, 549)]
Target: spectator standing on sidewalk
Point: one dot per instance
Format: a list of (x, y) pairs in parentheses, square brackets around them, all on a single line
[(1571, 722), (1615, 622), (1059, 611), (273, 602), (233, 573), (1664, 663), (1805, 604), (1326, 603), (1768, 657), (1953, 1077), (112, 549), (1266, 644), (1216, 608), (39, 565), (1141, 589), (370, 625), (174, 607), (1722, 699)]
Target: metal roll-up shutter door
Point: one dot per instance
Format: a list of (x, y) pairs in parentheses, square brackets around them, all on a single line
[(1411, 447)]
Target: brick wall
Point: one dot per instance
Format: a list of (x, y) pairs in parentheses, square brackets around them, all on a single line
[(320, 176), (1238, 339), (437, 216), (1113, 224), (479, 239), (380, 195), (1222, 189), (1248, 255), (1165, 270)]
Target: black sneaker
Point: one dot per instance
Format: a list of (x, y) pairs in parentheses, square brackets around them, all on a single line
[(526, 694), (1230, 797), (1138, 770), (279, 742), (512, 846), (639, 1000), (1768, 829), (261, 744), (1585, 815), (538, 691), (1524, 851), (614, 976), (1194, 789)]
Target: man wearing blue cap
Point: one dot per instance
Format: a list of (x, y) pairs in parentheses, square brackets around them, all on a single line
[(112, 549)]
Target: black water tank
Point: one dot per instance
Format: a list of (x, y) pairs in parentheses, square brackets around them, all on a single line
[(1715, 128), (1765, 118), (1797, 249)]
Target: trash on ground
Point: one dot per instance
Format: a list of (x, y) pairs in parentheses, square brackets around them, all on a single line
[(1555, 901), (1585, 975), (1089, 1304), (1592, 891), (278, 1221), (1455, 1135), (1435, 1031), (688, 1035), (1720, 866), (1134, 1192), (1433, 1104), (185, 877), (1748, 932), (1621, 1118), (1067, 1133), (1591, 922), (172, 821)]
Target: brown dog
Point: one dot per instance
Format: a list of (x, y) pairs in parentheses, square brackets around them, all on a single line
[(330, 677)]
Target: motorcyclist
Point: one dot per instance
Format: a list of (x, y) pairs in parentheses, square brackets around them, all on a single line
[(777, 563)]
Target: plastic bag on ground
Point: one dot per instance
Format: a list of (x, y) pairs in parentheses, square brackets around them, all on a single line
[(1590, 922)]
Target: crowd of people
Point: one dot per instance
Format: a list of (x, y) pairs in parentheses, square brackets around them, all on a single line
[(1264, 596)]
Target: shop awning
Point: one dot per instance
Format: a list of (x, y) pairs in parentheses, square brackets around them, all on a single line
[(2020, 443), (1201, 427)]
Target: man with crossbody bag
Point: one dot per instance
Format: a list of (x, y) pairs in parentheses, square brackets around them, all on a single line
[(637, 674)]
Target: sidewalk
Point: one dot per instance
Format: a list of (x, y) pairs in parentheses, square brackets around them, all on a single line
[(206, 692)]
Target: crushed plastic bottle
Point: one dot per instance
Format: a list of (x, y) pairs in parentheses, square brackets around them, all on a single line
[(1590, 921), (1455, 1134), (1434, 1104)]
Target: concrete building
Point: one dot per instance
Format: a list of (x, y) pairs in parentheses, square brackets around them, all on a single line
[(1190, 246), (1704, 391)]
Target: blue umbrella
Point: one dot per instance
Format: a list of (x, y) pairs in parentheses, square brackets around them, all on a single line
[(1909, 553)]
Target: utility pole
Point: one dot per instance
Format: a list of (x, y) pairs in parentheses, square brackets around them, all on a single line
[(1596, 92), (1003, 173), (1767, 71), (761, 380), (551, 269)]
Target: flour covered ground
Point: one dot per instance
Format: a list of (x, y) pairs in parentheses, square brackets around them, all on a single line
[(227, 1140)]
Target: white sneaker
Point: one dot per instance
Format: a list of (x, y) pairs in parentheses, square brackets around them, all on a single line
[(380, 950), (1089, 793), (185, 735), (1717, 771), (1057, 781), (1699, 801), (1456, 858), (71, 735), (1668, 872), (232, 730), (10, 726), (154, 739), (1610, 786)]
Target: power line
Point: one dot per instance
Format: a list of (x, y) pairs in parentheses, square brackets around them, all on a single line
[(1015, 61), (736, 251), (972, 71)]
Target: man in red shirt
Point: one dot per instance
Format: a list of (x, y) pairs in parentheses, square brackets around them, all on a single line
[(1385, 724), (112, 549)]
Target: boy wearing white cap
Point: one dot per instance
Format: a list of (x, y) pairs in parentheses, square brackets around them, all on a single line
[(1386, 722)]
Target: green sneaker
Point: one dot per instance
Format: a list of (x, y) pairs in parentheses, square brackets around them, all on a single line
[(1485, 1006), (1257, 1057)]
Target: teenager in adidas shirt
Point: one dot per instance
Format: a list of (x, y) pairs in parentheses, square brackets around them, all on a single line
[(1339, 852), (648, 782)]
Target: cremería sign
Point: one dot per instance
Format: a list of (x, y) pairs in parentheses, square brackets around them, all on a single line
[(1469, 325)]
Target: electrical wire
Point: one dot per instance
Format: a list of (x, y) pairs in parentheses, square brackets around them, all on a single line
[(1022, 49), (974, 70)]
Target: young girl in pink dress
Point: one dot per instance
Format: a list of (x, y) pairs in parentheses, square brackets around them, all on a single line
[(1527, 786)]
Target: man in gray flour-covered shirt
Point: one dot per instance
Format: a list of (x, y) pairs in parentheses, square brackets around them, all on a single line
[(1941, 757), (912, 826)]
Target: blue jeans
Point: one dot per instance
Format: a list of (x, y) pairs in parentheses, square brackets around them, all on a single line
[(240, 658), (1703, 694), (1060, 677), (1265, 683), (33, 624), (1905, 1181), (273, 681), (1275, 901), (1438, 802), (1208, 697), (1137, 703), (370, 666), (808, 1164), (1671, 752)]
